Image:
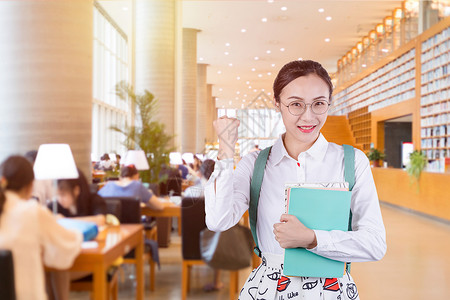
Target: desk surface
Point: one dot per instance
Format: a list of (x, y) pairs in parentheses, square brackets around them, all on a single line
[(170, 210)]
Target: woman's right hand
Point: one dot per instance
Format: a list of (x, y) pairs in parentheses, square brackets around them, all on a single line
[(227, 131)]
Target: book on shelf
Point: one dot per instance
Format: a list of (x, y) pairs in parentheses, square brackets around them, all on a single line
[(321, 206)]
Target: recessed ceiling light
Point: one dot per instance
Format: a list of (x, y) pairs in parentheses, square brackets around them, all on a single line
[(262, 90), (245, 95), (255, 90), (284, 8), (268, 51), (200, 59), (269, 93), (238, 78), (238, 92), (385, 50), (227, 44), (269, 73), (364, 65), (125, 8), (259, 75), (221, 89), (230, 64), (243, 100), (217, 99), (327, 40), (282, 49), (270, 1), (300, 58), (219, 72), (226, 53), (321, 10), (273, 65), (249, 86), (253, 69), (328, 18), (243, 30), (264, 20), (256, 57), (247, 82)]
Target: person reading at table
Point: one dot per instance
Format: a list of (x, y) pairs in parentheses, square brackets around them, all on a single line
[(129, 185), (31, 232)]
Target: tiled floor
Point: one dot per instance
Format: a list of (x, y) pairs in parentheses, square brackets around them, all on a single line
[(416, 266)]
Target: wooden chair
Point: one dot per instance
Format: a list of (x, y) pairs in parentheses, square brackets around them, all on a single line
[(128, 211), (86, 284), (7, 283), (192, 222)]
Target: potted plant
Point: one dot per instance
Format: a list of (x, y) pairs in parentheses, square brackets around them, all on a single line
[(375, 156), (417, 163), (146, 134)]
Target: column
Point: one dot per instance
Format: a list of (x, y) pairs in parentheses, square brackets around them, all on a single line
[(189, 83), (201, 107), (209, 114), (214, 113), (46, 76), (155, 55)]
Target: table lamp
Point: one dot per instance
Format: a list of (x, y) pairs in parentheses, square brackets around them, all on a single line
[(55, 161), (188, 157), (175, 158), (136, 158)]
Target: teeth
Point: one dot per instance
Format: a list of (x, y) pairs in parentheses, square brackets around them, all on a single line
[(306, 127)]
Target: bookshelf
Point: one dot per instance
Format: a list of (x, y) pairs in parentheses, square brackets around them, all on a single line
[(435, 98), (360, 124)]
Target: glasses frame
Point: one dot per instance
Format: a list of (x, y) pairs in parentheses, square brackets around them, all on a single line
[(306, 107)]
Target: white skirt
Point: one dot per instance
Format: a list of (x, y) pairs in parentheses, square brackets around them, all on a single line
[(267, 282)]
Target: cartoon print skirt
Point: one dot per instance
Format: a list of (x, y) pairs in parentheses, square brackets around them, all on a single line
[(267, 282)]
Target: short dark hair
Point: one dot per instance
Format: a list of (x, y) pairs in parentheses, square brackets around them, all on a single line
[(83, 201), (296, 69), (128, 171), (207, 168)]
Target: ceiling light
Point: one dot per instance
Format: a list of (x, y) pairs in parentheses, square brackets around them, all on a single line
[(219, 72), (321, 10), (247, 82), (259, 75), (245, 95), (273, 65), (256, 57), (284, 8), (255, 90), (262, 90), (238, 92), (269, 93), (282, 49), (270, 1), (238, 78), (243, 30), (221, 89), (327, 40), (200, 59), (230, 64), (364, 65), (243, 100), (217, 99), (328, 18), (269, 73), (125, 8), (253, 69), (264, 20), (300, 58), (227, 44), (249, 86), (385, 50), (268, 51), (226, 53)]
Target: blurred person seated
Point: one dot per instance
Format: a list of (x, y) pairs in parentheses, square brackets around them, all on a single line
[(105, 163), (74, 201), (31, 232), (183, 170), (42, 189), (196, 191), (129, 185), (170, 181)]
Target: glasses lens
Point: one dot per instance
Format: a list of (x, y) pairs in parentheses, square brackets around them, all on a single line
[(297, 108), (319, 107)]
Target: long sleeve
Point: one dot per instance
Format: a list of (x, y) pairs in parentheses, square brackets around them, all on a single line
[(367, 241), (60, 246), (227, 193)]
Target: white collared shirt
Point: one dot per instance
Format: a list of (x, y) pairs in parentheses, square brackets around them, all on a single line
[(227, 201)]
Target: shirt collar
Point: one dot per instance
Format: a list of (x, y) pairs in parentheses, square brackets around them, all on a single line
[(317, 150)]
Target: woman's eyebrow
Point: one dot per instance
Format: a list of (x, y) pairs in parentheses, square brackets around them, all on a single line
[(296, 98)]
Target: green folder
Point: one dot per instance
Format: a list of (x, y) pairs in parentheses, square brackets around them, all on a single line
[(317, 209)]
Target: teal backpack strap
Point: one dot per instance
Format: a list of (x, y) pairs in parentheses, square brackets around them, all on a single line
[(255, 188), (349, 174)]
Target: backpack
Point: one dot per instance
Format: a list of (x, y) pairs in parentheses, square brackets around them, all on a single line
[(258, 175)]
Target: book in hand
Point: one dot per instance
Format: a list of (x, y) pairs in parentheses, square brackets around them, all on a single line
[(88, 229), (321, 207)]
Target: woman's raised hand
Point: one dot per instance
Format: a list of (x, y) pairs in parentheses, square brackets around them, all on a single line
[(227, 131)]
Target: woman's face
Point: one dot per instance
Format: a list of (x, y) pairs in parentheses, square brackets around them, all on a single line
[(305, 128), (66, 198)]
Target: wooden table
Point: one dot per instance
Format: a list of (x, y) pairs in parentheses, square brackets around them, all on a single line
[(170, 210), (113, 242)]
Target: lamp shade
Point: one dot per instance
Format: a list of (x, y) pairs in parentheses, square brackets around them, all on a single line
[(188, 157), (175, 158), (136, 158), (55, 161)]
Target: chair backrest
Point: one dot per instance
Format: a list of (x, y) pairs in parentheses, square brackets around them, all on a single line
[(192, 222), (129, 210), (7, 283)]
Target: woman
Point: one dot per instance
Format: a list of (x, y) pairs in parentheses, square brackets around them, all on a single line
[(76, 200), (30, 231), (129, 186), (302, 94)]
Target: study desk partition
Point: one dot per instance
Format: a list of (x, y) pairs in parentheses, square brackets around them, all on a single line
[(113, 242)]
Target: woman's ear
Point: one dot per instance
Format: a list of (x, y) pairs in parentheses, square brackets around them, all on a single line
[(277, 105), (76, 191)]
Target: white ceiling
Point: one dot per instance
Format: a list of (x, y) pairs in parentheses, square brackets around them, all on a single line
[(300, 29)]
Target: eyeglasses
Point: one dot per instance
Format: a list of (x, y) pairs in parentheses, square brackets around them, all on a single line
[(318, 107)]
